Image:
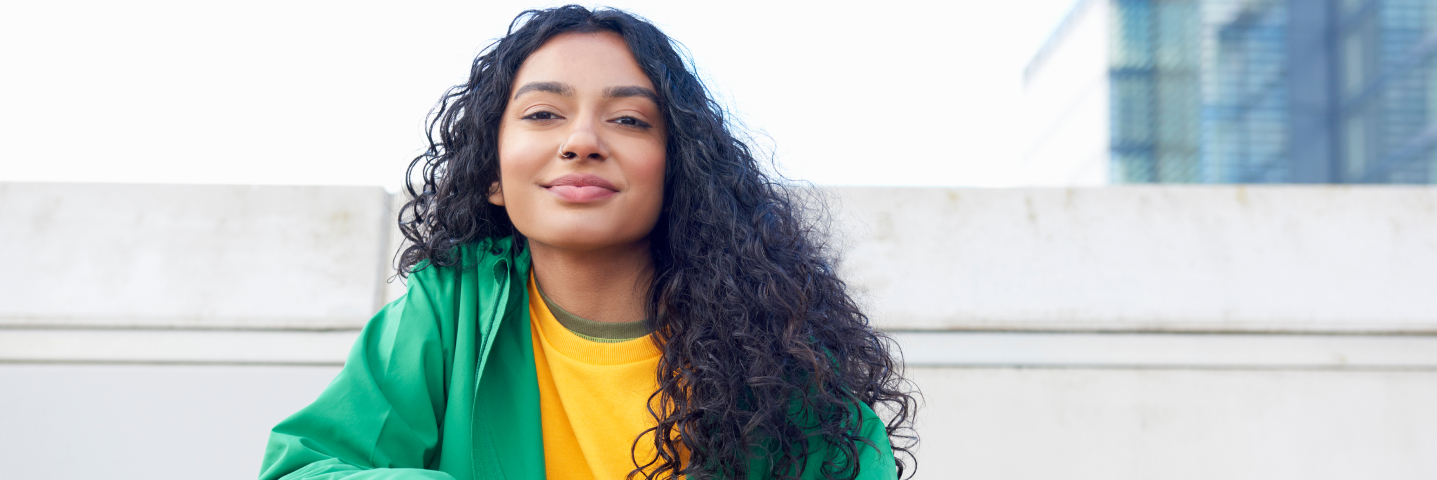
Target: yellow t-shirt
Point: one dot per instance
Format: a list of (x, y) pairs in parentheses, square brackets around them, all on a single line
[(593, 398)]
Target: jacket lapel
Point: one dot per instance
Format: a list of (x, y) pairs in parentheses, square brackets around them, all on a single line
[(508, 440)]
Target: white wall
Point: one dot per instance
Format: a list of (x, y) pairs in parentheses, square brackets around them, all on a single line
[(1199, 424), (1136, 332), (191, 256), (1168, 258)]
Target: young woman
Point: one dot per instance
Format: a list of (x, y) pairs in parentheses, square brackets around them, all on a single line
[(602, 284)]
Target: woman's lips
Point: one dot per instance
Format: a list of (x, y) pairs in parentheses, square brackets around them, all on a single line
[(581, 188), (580, 194)]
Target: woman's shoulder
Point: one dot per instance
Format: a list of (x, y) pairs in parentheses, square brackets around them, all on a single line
[(474, 274), (465, 259)]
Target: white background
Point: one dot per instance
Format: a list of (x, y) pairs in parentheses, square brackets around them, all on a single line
[(282, 92)]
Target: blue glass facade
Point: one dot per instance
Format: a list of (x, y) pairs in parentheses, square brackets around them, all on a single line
[(1273, 91), (1245, 121), (1155, 90), (1386, 98)]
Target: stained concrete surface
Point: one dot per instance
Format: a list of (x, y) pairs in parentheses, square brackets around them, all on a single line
[(1117, 333)]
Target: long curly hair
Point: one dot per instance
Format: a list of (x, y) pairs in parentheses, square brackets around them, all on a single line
[(765, 353)]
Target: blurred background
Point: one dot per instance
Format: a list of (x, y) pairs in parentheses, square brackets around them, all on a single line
[(1115, 239)]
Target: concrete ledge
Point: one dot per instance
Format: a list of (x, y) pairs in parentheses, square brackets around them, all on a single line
[(921, 349), (1224, 258), (191, 256), (176, 347), (1201, 259), (274, 322), (1168, 351)]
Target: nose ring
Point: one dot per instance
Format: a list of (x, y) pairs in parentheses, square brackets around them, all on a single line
[(565, 154)]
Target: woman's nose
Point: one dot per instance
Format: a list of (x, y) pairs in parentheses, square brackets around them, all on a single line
[(583, 142)]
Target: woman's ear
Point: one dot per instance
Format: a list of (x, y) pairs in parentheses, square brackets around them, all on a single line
[(496, 194)]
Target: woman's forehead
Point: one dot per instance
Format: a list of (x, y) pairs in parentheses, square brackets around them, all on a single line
[(588, 62)]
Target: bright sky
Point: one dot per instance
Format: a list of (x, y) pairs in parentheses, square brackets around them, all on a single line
[(290, 92)]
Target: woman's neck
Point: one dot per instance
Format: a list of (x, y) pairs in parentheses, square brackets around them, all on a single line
[(609, 285)]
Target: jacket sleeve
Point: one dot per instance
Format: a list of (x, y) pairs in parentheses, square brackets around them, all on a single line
[(381, 417), (877, 462), (874, 462)]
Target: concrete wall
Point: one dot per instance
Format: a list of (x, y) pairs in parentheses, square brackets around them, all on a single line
[(1136, 332), (191, 256), (1191, 259)]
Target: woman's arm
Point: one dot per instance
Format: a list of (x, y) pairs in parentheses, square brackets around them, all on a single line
[(381, 417), (875, 463)]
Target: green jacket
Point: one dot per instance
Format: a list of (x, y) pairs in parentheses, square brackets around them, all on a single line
[(428, 392)]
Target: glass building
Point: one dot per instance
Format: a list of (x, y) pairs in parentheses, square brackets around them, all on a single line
[(1249, 91)]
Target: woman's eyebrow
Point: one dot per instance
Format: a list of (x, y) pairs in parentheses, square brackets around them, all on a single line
[(631, 91), (551, 87)]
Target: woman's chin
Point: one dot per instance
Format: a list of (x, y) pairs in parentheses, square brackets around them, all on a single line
[(582, 240)]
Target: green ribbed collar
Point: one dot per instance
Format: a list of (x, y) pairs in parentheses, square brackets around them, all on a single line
[(602, 332)]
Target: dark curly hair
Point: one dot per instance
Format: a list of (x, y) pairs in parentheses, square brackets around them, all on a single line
[(764, 350)]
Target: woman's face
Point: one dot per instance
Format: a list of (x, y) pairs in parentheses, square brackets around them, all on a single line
[(581, 146)]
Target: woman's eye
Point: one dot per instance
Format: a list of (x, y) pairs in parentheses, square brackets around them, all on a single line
[(631, 121), (541, 115)]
